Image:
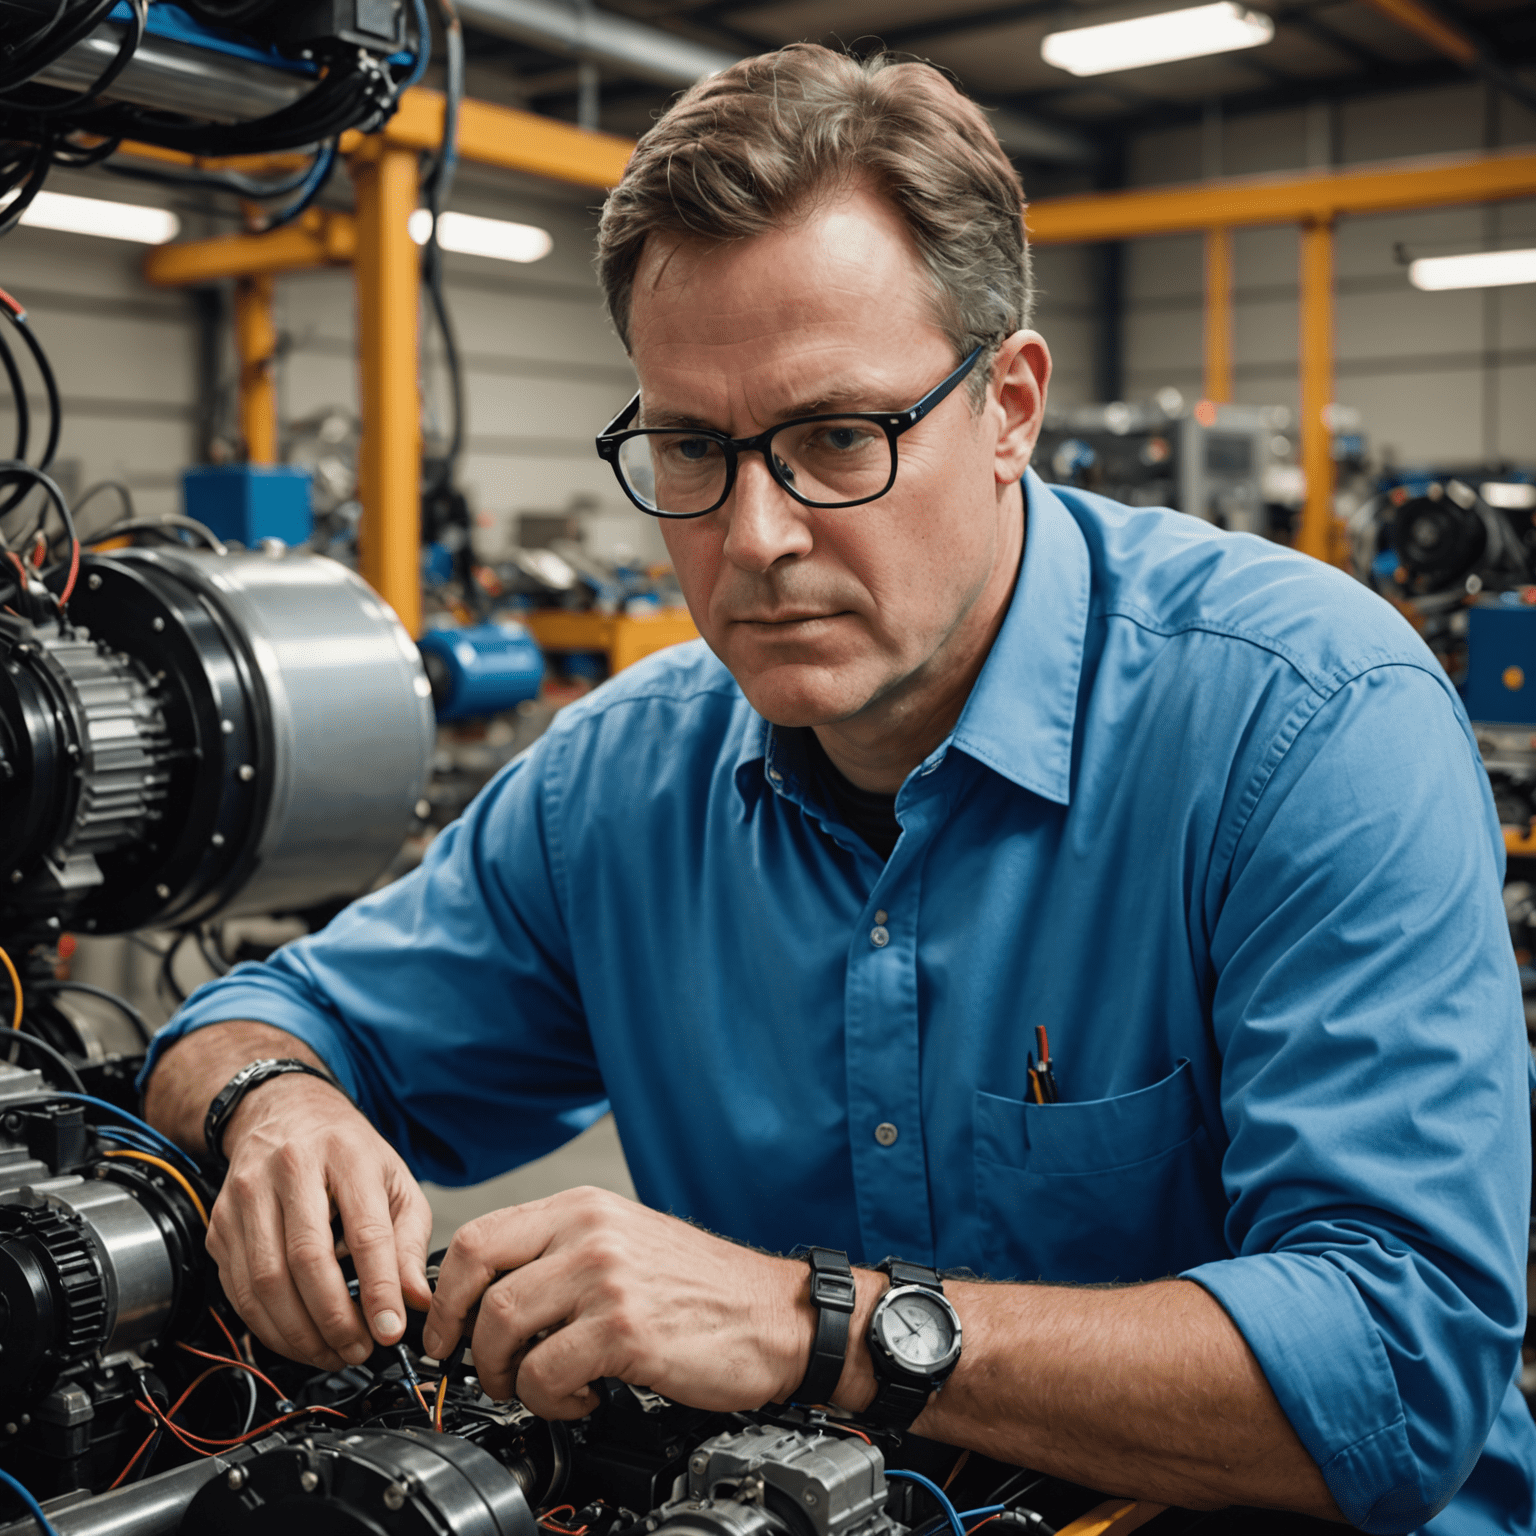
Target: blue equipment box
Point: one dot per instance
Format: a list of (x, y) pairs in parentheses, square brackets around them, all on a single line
[(247, 503), (481, 670), (1500, 685)]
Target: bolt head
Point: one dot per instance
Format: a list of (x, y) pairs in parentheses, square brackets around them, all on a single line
[(810, 1495), (309, 1481), (246, 773), (93, 581), (158, 624), (394, 1496), (236, 1478), (15, 877), (162, 891)]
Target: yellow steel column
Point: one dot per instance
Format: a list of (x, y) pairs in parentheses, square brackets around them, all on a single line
[(1218, 315), (388, 277), (1315, 536), (256, 346)]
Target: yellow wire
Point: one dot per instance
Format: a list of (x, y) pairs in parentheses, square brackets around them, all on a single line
[(175, 1173), (442, 1392), (10, 971)]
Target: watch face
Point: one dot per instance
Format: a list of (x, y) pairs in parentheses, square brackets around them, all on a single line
[(918, 1329)]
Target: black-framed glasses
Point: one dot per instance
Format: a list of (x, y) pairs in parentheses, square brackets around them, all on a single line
[(839, 460)]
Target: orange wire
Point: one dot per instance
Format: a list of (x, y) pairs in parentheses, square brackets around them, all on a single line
[(203, 1354), (181, 1178), (10, 970)]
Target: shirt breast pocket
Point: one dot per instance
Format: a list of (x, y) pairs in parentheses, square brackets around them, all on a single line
[(1120, 1189)]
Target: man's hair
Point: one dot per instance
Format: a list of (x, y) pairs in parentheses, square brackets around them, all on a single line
[(755, 147)]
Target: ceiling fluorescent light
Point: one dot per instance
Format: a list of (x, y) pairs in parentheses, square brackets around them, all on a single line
[(1143, 40), (97, 216), (471, 235), (1477, 269)]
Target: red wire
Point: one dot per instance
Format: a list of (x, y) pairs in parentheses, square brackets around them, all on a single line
[(847, 1429), (12, 305), (238, 1364), (175, 1407), (74, 571), (133, 1460)]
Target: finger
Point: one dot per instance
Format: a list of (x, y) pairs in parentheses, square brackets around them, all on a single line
[(481, 1250), (364, 1207), (513, 1312), (256, 1280), (554, 1378), (315, 1301), (413, 1240)]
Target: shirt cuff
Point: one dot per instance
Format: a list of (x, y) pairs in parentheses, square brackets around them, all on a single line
[(255, 992), (1314, 1339)]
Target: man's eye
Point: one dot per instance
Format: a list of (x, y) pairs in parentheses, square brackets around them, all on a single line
[(692, 449), (843, 438)]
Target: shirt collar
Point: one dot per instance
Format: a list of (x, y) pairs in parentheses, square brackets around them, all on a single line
[(1021, 715)]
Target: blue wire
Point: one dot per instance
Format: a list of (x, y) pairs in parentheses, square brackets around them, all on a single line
[(128, 1138), (44, 1523), (423, 47), (936, 1491), (163, 1144), (987, 1509)]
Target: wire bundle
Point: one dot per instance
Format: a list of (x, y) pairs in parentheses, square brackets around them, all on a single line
[(41, 126)]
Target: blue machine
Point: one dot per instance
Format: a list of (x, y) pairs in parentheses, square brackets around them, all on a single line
[(247, 503), (1500, 685), (482, 670)]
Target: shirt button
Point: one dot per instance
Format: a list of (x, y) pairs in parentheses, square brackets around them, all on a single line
[(886, 1133), (775, 776), (881, 916), (879, 936)]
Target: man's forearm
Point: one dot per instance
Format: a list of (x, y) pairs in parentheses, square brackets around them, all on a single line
[(189, 1076), (1148, 1391)]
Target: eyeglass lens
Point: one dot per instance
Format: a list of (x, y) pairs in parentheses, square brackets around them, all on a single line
[(828, 463)]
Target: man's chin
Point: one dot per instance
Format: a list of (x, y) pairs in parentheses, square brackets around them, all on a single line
[(803, 694)]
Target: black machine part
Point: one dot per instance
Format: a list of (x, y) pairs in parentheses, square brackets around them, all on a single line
[(97, 1256), (208, 733), (376, 1482), (1448, 533)]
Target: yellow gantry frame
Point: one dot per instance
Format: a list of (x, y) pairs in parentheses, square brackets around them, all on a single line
[(376, 244), (1315, 202)]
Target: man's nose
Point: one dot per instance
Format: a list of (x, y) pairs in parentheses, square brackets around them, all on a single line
[(764, 523)]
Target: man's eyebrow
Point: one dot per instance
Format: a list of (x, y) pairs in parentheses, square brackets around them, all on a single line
[(839, 396)]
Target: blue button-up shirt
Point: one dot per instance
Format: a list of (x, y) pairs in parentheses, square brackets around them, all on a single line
[(1212, 815)]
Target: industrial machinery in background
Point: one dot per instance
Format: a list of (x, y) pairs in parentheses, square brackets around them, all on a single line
[(1228, 464), (213, 77)]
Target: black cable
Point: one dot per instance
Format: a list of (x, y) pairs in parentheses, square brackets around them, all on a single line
[(438, 183), (133, 36), (31, 183), (11, 469), (19, 395), (221, 181), (92, 492), (320, 173), (17, 315), (34, 62), (123, 1006), (77, 157), (167, 977), (167, 525), (216, 961), (57, 1058)]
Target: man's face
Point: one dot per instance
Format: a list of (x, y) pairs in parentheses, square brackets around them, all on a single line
[(822, 615)]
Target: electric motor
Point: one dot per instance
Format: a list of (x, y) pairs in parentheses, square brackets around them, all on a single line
[(238, 733)]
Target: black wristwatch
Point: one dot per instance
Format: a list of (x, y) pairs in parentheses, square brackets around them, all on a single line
[(914, 1344), (832, 1294), (230, 1095)]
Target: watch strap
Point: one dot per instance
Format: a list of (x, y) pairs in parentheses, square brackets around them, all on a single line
[(228, 1099), (832, 1294), (903, 1273)]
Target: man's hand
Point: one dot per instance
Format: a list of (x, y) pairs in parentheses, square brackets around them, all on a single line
[(587, 1284), (299, 1154)]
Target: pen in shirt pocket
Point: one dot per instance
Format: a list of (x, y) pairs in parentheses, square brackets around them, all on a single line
[(1044, 1075)]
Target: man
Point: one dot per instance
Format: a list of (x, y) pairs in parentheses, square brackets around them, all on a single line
[(1203, 808)]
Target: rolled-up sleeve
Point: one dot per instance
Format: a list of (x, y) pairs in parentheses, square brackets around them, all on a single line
[(1376, 1094), (445, 1003)]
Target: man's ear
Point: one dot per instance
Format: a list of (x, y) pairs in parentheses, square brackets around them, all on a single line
[(1020, 374)]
